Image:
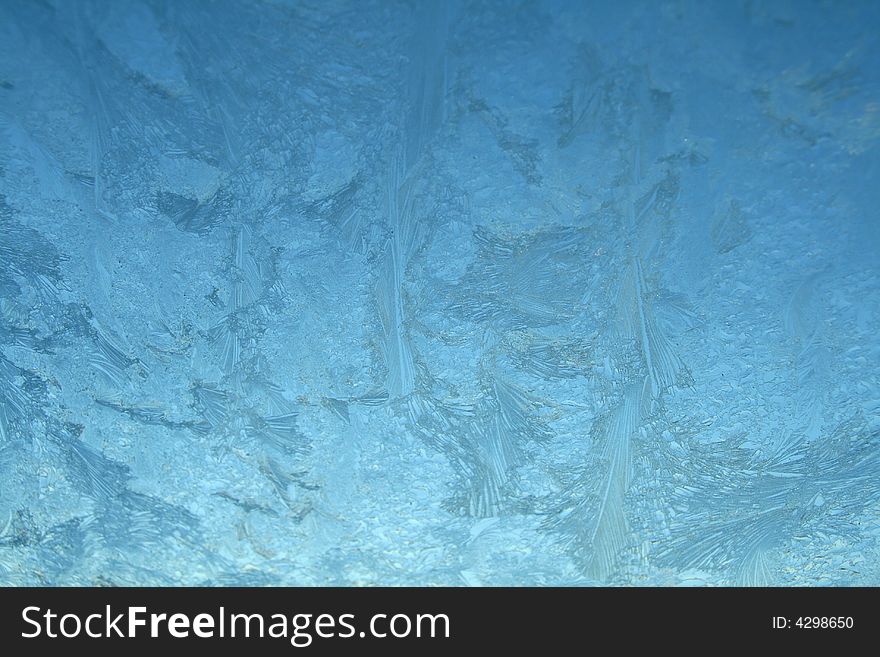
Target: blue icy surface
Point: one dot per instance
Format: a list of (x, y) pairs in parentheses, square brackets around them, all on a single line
[(482, 293)]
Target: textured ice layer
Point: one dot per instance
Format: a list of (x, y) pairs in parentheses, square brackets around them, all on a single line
[(439, 293)]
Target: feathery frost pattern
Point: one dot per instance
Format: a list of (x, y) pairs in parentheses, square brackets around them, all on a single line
[(438, 293)]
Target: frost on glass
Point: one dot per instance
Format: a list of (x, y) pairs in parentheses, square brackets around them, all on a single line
[(439, 293)]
